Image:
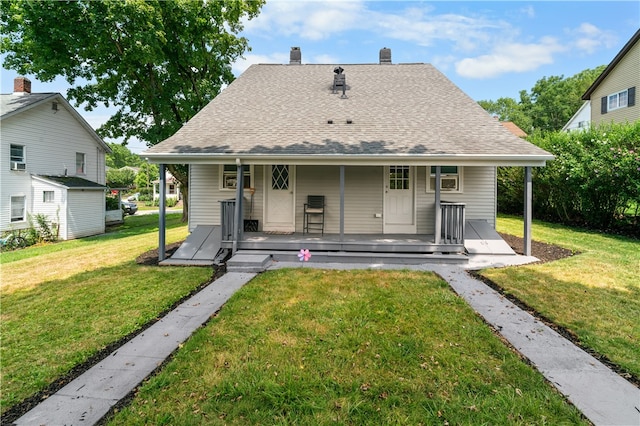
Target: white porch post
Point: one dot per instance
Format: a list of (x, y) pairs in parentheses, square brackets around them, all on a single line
[(528, 198), (237, 226), (162, 213), (341, 203), (438, 224)]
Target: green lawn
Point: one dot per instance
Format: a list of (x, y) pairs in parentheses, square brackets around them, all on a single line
[(595, 295), (305, 346), (64, 302)]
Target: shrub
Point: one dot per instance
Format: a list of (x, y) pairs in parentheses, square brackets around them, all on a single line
[(593, 181), (112, 203)]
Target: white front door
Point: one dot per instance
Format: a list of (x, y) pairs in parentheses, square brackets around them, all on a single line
[(399, 200), (279, 212)]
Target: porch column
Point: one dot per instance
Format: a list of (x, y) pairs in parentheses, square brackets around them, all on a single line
[(341, 203), (162, 226), (237, 227), (528, 199), (438, 224)]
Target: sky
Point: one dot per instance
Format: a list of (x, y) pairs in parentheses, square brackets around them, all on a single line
[(488, 49)]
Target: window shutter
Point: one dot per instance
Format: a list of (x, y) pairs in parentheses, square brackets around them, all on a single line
[(631, 96), (603, 105)]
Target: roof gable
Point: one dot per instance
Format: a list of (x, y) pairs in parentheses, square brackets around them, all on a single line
[(623, 52), (408, 110), (12, 105)]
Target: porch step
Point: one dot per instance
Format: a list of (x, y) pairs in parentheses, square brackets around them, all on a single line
[(360, 257), (248, 262)]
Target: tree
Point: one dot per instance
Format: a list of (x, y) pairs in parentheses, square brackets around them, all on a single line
[(158, 62), (120, 178), (553, 100), (121, 156), (550, 104), (508, 109), (147, 174)]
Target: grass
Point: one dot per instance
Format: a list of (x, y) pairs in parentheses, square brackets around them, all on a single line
[(303, 346), (64, 302), (595, 295)]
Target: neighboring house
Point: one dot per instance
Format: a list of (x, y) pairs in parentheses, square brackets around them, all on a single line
[(581, 119), (395, 149), (613, 94), (53, 163), (513, 128), (172, 187)]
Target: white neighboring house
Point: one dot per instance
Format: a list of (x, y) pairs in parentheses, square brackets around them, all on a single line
[(52, 162), (172, 187), (581, 120)]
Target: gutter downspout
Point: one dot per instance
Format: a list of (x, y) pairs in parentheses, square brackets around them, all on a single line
[(162, 213)]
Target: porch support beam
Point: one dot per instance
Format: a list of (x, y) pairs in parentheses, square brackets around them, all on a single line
[(341, 203), (438, 224), (237, 223), (528, 200), (162, 226)]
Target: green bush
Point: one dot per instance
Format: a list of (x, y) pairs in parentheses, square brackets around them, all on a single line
[(112, 203), (169, 202), (593, 181)]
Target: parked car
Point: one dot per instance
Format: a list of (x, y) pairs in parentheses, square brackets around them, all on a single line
[(129, 207)]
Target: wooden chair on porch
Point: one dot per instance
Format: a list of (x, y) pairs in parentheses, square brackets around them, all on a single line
[(314, 214)]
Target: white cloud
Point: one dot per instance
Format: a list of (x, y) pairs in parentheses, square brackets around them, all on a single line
[(322, 59), (589, 38), (528, 11), (511, 57)]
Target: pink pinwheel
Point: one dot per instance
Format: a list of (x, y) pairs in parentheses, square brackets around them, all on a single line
[(304, 255)]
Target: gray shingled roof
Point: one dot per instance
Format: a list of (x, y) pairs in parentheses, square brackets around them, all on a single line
[(72, 182), (407, 110), (10, 103)]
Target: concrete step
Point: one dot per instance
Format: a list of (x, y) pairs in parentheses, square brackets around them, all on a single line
[(248, 262)]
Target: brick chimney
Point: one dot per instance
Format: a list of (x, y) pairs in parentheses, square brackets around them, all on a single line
[(21, 86), (295, 58), (385, 55)]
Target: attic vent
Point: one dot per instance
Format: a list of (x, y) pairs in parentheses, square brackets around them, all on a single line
[(339, 82), (385, 55), (54, 106), (295, 57)]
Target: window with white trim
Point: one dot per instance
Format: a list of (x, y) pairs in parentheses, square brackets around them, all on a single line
[(617, 100), (17, 208), (48, 196), (229, 178), (80, 164), (18, 161), (450, 179)]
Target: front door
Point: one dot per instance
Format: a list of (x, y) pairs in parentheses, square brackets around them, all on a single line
[(280, 198), (399, 204)]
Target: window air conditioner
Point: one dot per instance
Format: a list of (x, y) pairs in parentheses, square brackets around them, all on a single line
[(17, 165), (449, 183)]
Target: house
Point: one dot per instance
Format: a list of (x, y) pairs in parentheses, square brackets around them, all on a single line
[(171, 189), (53, 163), (513, 128), (581, 119), (404, 160), (613, 94)]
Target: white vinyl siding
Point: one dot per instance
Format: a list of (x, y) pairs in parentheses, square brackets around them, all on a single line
[(85, 213), (51, 140), (479, 196), (205, 195)]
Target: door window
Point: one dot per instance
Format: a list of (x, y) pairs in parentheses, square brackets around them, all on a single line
[(280, 177)]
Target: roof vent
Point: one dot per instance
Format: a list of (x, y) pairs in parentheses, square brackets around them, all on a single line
[(340, 82), (295, 57), (385, 55)]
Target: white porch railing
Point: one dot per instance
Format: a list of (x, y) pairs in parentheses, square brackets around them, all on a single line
[(452, 231)]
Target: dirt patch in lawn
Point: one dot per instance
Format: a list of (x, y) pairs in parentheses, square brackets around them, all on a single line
[(150, 258), (543, 251)]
